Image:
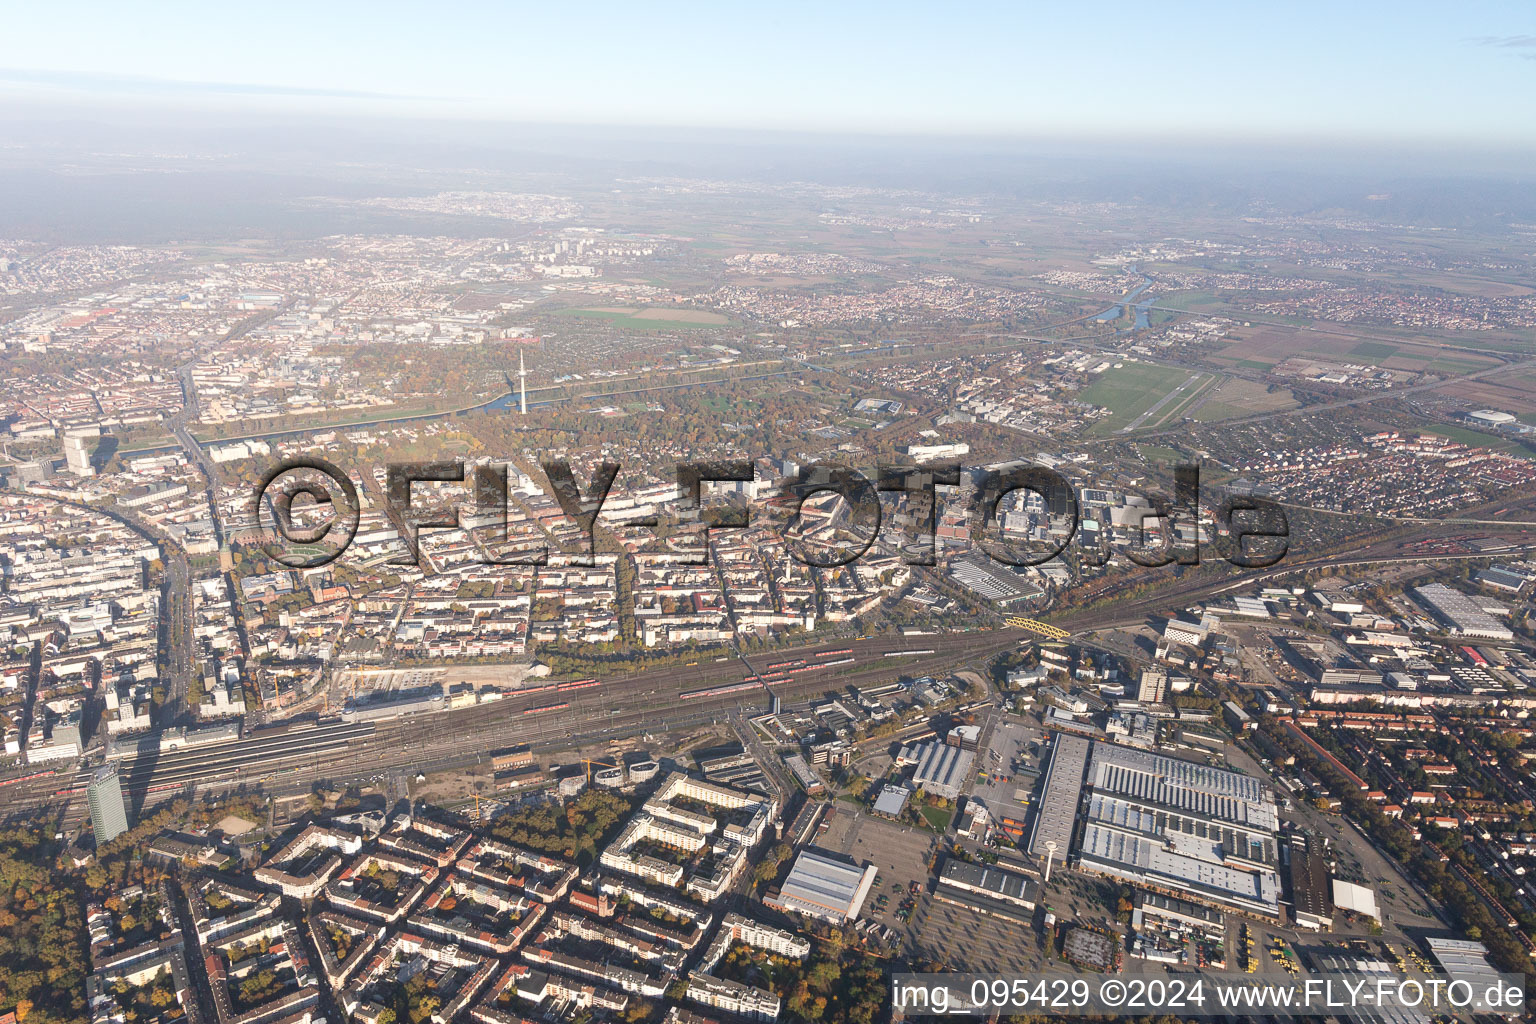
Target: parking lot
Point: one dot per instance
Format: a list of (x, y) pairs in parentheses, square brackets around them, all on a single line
[(1004, 775), (900, 852), (964, 940), (1074, 896)]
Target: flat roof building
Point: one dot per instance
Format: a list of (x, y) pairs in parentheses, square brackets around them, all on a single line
[(1502, 578), (990, 882), (1311, 902), (1152, 863), (1153, 686), (1464, 960), (1181, 828), (1058, 801), (1156, 904), (823, 887), (109, 814), (892, 801), (1466, 616), (1238, 720), (805, 774), (942, 769), (1357, 899)]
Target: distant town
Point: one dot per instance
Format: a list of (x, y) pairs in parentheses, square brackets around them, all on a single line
[(495, 763)]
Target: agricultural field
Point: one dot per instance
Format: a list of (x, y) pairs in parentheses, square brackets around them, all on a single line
[(1437, 360), (1373, 350), (1516, 394), (1194, 302), (1263, 346)]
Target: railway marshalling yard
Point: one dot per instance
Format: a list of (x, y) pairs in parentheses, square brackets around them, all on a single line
[(290, 760)]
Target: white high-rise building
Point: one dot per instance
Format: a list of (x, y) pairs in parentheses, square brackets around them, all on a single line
[(1154, 686), (109, 814), (77, 455)]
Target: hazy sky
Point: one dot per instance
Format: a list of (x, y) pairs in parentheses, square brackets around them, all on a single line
[(1457, 73)]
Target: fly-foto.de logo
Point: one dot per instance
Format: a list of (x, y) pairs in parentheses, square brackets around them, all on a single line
[(1250, 532)]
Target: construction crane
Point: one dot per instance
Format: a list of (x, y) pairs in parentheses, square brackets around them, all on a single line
[(589, 762)]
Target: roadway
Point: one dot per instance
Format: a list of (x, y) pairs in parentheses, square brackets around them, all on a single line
[(175, 640), (178, 612), (178, 625), (1170, 397)]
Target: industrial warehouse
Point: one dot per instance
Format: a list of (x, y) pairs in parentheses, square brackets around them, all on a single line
[(1176, 827), (941, 768), (987, 890), (823, 887), (1052, 835)]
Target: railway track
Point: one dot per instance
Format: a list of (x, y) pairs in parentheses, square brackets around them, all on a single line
[(623, 706)]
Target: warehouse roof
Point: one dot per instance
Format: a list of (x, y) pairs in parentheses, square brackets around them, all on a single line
[(822, 885), (1063, 790)]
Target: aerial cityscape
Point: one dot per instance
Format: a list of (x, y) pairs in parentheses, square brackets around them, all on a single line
[(594, 565)]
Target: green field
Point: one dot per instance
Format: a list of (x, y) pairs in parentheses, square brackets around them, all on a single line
[(1158, 454), (634, 323), (1457, 366), (1374, 350), (1256, 364), (1129, 391), (938, 818), (1215, 411), (1528, 418), (1193, 301)]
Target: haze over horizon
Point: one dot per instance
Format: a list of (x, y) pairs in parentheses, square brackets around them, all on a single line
[(1420, 74)]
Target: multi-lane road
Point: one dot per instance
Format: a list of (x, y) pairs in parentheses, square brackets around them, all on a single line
[(176, 615)]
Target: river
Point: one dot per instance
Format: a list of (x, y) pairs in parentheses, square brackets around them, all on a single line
[(1140, 309)]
